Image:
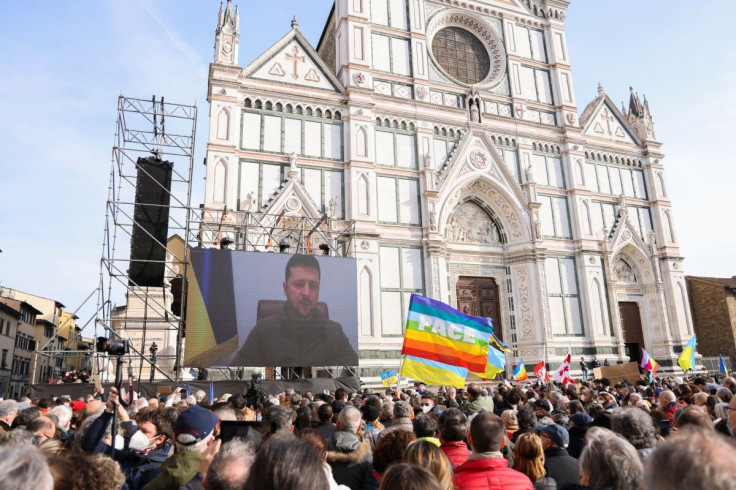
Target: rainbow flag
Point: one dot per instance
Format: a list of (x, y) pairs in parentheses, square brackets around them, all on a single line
[(520, 371), (649, 364), (433, 372), (440, 333), (687, 358), (722, 366)]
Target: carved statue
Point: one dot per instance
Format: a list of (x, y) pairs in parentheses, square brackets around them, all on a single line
[(621, 203), (248, 203), (292, 161), (538, 228), (432, 218), (529, 174), (332, 207), (428, 160), (474, 112), (624, 272)]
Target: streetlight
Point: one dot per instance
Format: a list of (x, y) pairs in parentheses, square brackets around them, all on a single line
[(153, 349)]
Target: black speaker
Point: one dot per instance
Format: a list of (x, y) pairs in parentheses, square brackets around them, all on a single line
[(151, 222)]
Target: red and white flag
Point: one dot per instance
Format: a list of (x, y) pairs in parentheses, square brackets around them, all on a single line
[(562, 375), (540, 371)]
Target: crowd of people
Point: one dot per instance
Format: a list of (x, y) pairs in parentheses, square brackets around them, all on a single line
[(670, 434)]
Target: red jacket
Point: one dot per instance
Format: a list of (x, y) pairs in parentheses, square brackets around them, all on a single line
[(490, 474), (457, 452)]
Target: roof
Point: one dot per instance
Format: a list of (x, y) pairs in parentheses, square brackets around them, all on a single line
[(729, 282), (17, 304), (9, 309)]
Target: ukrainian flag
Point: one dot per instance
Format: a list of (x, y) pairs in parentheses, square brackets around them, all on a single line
[(495, 363), (433, 372), (687, 358), (722, 366)]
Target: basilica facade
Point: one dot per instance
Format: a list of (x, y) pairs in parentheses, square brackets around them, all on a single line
[(446, 136)]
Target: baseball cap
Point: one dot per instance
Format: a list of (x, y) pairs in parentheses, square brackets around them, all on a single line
[(543, 404), (581, 419), (78, 405), (195, 421), (557, 433)]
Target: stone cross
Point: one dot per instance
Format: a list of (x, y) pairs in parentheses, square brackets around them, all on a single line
[(296, 59), (608, 118)]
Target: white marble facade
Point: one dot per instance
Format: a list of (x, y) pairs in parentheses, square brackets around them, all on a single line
[(445, 176)]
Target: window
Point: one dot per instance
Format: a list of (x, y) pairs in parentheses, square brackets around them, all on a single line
[(325, 186), (443, 143), (615, 180), (277, 133), (461, 55), (402, 273), (554, 216), (535, 84), (511, 159), (258, 182), (392, 13), (530, 43), (4, 364), (564, 300), (2, 323), (391, 54), (398, 201), (547, 170), (396, 149)]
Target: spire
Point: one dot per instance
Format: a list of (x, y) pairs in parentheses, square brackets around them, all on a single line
[(220, 17), (600, 89), (228, 13), (623, 108), (294, 22), (635, 107)]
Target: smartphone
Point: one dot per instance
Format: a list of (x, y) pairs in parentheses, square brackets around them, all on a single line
[(250, 431)]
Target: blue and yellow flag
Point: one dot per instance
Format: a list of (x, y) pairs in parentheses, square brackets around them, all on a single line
[(687, 358), (722, 366), (433, 372)]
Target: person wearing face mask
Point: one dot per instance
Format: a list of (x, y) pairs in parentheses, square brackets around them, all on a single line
[(427, 404), (148, 448)]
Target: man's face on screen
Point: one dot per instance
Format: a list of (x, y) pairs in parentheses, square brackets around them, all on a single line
[(302, 290)]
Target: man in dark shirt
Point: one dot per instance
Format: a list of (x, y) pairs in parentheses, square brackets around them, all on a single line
[(584, 368), (298, 335)]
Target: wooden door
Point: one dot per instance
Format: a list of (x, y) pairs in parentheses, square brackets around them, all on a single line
[(478, 296), (631, 329)]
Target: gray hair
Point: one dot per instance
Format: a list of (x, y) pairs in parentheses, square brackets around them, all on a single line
[(609, 461), (692, 458), (18, 437), (349, 418), (200, 394), (231, 465), (64, 414), (8, 408), (635, 425), (183, 443), (401, 409), (724, 394), (24, 467), (278, 418), (387, 409), (721, 410)]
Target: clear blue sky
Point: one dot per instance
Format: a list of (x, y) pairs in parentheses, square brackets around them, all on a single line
[(63, 64)]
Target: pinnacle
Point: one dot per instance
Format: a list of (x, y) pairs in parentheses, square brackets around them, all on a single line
[(294, 22)]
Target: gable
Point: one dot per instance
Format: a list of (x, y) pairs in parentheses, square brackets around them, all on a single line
[(607, 123), (293, 61)]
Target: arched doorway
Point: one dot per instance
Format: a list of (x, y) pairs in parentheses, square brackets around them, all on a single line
[(478, 296)]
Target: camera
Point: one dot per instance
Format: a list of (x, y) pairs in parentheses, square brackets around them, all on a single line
[(113, 347)]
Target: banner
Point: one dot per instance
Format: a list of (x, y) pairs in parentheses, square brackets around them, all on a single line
[(722, 366), (649, 364), (540, 371), (687, 358), (520, 371), (433, 373), (562, 375), (440, 333), (388, 378)]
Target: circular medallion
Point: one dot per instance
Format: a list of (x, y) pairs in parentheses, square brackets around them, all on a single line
[(479, 159), (293, 204), (227, 47)]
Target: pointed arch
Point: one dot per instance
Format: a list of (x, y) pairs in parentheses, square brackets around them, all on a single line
[(223, 124), (661, 184), (361, 142), (581, 172), (364, 207), (668, 223), (599, 308), (366, 302), (682, 307), (587, 222), (220, 182)]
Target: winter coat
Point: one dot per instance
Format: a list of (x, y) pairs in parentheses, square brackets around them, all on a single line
[(176, 471), (545, 483), (351, 459), (490, 474), (561, 466), (476, 404), (457, 452), (577, 441)]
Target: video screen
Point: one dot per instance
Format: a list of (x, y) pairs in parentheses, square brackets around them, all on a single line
[(260, 309)]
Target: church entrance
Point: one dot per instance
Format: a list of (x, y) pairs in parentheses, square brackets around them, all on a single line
[(631, 329), (478, 296)]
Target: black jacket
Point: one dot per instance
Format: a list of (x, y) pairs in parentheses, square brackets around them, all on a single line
[(561, 466), (577, 441)]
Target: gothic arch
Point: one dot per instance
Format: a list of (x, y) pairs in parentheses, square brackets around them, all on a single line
[(587, 222), (682, 306), (219, 193), (367, 301), (510, 214), (223, 124), (599, 307), (482, 226), (670, 228), (661, 184), (364, 203), (361, 142)]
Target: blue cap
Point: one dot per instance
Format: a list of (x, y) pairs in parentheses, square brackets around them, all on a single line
[(557, 433), (195, 421)]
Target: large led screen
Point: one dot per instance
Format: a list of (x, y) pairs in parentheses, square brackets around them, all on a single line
[(268, 309)]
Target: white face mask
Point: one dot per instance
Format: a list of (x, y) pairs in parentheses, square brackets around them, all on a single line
[(426, 408), (139, 442)]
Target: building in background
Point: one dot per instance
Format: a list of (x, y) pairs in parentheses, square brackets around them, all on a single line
[(447, 137), (713, 303), (24, 345), (9, 319)]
